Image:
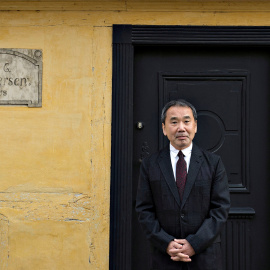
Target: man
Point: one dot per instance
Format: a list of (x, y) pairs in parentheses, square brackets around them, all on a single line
[(183, 197)]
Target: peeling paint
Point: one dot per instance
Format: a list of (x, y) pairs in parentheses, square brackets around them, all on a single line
[(47, 206)]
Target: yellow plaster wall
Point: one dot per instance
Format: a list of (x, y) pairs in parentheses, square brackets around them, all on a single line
[(55, 160)]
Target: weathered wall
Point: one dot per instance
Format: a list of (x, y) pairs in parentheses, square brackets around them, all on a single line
[(55, 160)]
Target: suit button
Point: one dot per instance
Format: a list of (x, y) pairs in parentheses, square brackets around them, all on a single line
[(182, 215)]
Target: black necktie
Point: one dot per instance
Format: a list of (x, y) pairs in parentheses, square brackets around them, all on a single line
[(181, 174)]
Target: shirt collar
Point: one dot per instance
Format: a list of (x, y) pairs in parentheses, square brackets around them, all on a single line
[(186, 151)]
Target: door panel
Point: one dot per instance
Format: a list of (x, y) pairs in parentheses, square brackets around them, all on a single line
[(211, 93), (229, 87)]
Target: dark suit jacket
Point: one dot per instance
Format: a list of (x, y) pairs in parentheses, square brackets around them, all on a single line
[(198, 218)]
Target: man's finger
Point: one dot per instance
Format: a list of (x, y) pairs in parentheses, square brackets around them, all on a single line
[(176, 246), (181, 257), (180, 241)]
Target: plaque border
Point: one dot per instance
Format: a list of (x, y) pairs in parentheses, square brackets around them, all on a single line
[(37, 61)]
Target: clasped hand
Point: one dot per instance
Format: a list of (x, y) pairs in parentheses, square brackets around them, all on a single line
[(180, 250)]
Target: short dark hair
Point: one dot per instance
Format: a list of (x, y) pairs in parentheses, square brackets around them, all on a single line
[(179, 103)]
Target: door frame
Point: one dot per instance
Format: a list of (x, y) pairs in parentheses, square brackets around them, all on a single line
[(125, 39)]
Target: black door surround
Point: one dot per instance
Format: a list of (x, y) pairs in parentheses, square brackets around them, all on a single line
[(125, 38)]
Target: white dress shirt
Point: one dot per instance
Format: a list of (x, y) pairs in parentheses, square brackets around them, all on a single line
[(174, 157)]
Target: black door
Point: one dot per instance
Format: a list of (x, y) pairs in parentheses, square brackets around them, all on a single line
[(229, 88), (229, 85)]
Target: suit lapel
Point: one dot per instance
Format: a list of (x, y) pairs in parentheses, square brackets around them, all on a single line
[(166, 168), (194, 166)]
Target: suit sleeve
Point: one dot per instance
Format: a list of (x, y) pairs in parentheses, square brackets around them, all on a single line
[(145, 209), (218, 212)]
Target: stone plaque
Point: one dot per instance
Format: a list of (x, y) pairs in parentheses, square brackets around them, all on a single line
[(21, 77)]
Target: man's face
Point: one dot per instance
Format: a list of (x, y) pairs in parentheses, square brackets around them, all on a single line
[(180, 126)]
